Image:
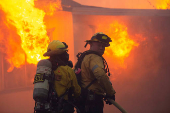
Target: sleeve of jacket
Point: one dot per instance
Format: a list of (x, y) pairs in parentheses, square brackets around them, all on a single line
[(75, 86), (97, 67)]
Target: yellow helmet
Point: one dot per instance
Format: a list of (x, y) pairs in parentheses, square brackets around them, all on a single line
[(56, 47)]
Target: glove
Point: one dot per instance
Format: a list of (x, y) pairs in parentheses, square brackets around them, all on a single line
[(111, 97), (108, 102)]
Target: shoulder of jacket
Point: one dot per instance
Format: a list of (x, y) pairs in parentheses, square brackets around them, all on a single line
[(66, 67), (92, 55)]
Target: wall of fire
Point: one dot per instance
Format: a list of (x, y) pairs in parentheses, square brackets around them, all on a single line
[(140, 77), (16, 85), (59, 27)]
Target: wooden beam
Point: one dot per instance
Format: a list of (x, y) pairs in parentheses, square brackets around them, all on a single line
[(119, 12)]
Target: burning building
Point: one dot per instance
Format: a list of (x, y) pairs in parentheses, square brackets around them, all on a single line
[(138, 56)]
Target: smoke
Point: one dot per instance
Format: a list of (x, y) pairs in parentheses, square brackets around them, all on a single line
[(143, 86), (49, 6), (130, 4), (16, 102)]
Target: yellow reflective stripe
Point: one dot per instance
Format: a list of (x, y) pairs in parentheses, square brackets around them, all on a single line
[(104, 37), (38, 78)]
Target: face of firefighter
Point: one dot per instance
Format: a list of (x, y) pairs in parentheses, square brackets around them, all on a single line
[(98, 47)]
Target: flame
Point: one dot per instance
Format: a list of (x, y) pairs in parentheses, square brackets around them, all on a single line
[(49, 6), (121, 44), (18, 57), (28, 21), (163, 4), (9, 43)]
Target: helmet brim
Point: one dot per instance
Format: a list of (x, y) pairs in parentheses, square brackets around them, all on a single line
[(55, 52), (106, 44)]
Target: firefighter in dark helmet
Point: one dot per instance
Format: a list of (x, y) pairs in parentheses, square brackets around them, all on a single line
[(63, 84), (94, 79)]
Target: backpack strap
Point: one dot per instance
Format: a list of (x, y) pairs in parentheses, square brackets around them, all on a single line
[(80, 57), (90, 84)]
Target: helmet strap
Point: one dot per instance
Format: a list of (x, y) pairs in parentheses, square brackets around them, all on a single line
[(86, 44)]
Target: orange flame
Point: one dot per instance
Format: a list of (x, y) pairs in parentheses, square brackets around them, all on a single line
[(163, 4), (49, 6), (9, 45), (121, 44), (28, 21)]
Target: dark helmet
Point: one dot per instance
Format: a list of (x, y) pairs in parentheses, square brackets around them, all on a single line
[(99, 37)]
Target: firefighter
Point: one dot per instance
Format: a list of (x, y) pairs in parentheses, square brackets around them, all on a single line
[(94, 80), (64, 84)]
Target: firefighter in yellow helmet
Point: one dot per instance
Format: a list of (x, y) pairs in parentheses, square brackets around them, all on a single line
[(64, 87), (94, 79)]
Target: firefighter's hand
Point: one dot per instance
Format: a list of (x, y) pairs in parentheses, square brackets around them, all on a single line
[(111, 97), (108, 102)]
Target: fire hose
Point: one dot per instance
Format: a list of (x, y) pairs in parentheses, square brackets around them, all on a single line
[(117, 105)]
